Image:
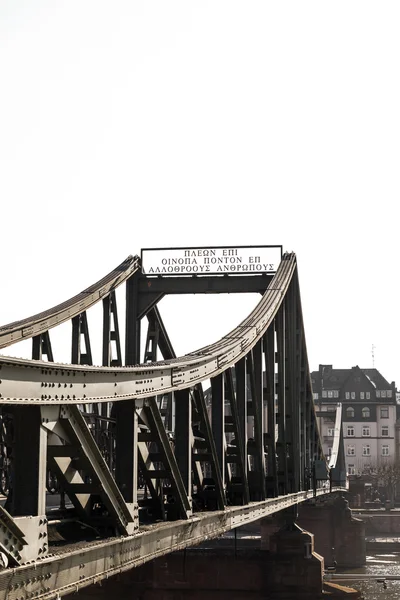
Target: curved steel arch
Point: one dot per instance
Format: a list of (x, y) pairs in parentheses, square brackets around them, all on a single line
[(37, 382), (36, 324)]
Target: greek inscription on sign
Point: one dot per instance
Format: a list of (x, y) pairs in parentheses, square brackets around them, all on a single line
[(219, 260)]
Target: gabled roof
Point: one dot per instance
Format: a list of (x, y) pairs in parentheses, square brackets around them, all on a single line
[(378, 380), (328, 378), (332, 379)]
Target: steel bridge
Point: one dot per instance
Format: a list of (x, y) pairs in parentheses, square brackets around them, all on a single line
[(152, 456)]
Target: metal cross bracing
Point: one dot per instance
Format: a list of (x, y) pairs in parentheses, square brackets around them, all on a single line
[(145, 459)]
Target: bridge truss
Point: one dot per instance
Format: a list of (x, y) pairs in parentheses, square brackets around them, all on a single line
[(149, 460)]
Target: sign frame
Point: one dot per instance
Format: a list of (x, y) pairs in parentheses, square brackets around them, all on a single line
[(212, 270)]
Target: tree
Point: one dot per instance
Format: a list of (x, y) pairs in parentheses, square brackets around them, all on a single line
[(385, 475)]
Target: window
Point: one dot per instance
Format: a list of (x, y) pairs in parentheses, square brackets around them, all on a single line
[(353, 395), (350, 431), (378, 394), (351, 470), (365, 432), (351, 450), (385, 450), (324, 394), (385, 431), (368, 395), (357, 379), (350, 412), (366, 413), (384, 412), (383, 394), (331, 432), (315, 396), (389, 394), (366, 451), (347, 395), (362, 394)]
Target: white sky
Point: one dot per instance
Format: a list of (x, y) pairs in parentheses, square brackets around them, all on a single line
[(131, 124)]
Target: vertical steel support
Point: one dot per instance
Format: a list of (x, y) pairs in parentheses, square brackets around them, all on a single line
[(126, 429), (79, 328), (257, 389), (210, 441), (41, 345), (241, 399), (28, 493), (218, 421), (293, 388), (111, 333), (269, 353), (132, 334), (282, 448), (183, 438), (126, 474), (241, 492)]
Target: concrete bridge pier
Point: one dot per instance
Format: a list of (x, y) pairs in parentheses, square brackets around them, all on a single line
[(338, 536), (290, 568), (294, 568)]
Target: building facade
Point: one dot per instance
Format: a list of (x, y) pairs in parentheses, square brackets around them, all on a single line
[(368, 414)]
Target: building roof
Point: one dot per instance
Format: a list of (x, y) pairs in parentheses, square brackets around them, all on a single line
[(377, 379), (328, 378)]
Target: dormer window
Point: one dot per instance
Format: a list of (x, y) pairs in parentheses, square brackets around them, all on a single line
[(350, 412), (366, 413)]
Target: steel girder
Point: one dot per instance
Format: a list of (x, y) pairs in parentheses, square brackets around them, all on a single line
[(253, 436)]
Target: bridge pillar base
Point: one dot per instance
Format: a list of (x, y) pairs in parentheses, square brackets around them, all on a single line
[(339, 537), (296, 569)]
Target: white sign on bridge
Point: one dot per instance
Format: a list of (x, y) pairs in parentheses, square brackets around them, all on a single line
[(219, 260)]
